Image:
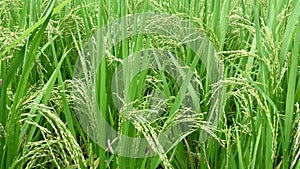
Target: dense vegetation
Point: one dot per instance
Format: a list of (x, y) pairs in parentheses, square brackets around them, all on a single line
[(258, 43)]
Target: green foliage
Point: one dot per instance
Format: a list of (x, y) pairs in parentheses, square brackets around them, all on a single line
[(257, 41)]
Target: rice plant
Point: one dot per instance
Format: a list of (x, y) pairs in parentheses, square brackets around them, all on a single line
[(246, 115)]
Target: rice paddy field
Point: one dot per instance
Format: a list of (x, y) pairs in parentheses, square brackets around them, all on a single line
[(134, 84)]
